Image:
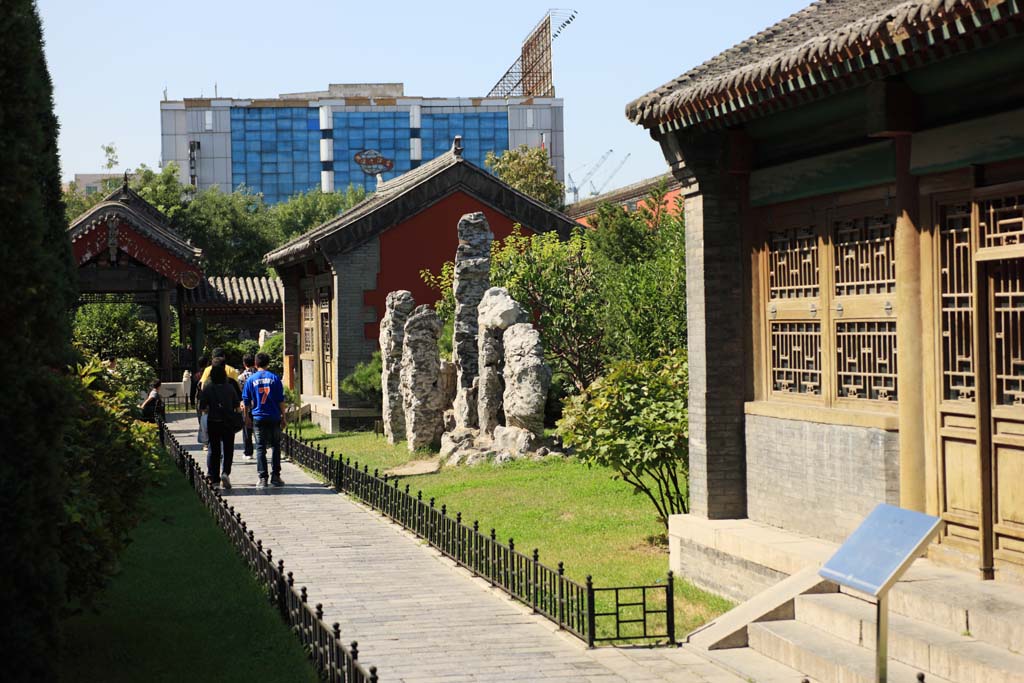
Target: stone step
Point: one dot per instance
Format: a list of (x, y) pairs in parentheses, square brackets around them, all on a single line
[(956, 656), (825, 657), (990, 611), (753, 666)]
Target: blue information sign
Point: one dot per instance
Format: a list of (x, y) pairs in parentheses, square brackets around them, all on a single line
[(880, 549)]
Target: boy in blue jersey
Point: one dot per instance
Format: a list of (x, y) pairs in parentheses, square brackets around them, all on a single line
[(263, 396)]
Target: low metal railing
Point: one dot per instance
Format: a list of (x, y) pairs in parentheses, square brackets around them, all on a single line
[(623, 614), (334, 661)]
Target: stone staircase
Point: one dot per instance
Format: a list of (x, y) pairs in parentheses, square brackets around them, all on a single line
[(943, 623)]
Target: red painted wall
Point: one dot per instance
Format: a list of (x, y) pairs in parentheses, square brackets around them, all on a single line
[(670, 202), (425, 241)]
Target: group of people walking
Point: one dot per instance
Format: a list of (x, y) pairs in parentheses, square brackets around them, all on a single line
[(251, 401)]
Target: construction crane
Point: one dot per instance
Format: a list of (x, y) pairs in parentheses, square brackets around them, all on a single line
[(574, 187), (594, 191)]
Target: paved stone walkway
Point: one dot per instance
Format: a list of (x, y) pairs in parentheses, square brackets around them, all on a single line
[(418, 617)]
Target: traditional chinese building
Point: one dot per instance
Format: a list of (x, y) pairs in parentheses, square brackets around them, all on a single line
[(125, 246), (336, 277), (855, 266)]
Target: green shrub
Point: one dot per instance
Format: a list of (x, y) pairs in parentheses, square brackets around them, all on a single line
[(115, 330), (363, 384), (274, 347), (108, 459), (134, 375), (635, 421)]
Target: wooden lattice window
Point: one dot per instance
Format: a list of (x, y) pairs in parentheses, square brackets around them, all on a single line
[(307, 321), (1001, 221), (866, 359), (829, 294), (956, 303), (796, 357), (864, 255), (1008, 332), (793, 263)]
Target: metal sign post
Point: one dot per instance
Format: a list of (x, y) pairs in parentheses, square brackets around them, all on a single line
[(874, 557)]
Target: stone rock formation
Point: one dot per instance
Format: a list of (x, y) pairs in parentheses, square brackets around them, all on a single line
[(449, 377), (527, 379), (472, 278), (392, 334), (420, 380), (495, 313)]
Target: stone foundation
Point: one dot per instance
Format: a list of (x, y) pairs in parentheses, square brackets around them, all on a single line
[(818, 479)]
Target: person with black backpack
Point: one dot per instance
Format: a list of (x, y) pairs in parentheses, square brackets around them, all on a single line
[(153, 406), (219, 399)]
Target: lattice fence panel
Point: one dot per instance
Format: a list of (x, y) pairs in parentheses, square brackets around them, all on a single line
[(792, 263), (866, 359), (957, 303), (1008, 330), (796, 357), (865, 260), (1001, 221)]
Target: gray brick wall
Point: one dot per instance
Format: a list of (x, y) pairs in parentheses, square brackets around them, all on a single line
[(355, 273), (715, 317), (818, 479)]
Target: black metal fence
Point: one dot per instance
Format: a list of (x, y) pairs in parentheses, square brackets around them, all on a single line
[(624, 614), (334, 661)]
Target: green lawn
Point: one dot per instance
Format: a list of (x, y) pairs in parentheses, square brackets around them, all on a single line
[(184, 608), (569, 512)]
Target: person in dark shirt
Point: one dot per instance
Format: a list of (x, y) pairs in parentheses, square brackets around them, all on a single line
[(219, 399), (264, 410), (249, 361)]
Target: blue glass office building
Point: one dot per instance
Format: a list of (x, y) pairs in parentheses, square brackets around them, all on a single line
[(345, 135)]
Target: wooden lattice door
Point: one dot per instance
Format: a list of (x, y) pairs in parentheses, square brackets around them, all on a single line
[(980, 458), (1006, 368)]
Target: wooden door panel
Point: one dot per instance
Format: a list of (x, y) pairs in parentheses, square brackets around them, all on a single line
[(960, 459), (1007, 325)]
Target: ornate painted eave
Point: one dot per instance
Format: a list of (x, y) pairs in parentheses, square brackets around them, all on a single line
[(124, 222), (783, 67)]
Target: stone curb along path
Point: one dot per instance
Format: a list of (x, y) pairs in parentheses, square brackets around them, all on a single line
[(416, 615)]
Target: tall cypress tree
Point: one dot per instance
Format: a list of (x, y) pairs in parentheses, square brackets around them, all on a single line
[(38, 289)]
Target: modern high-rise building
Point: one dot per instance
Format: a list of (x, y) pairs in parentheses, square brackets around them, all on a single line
[(347, 134)]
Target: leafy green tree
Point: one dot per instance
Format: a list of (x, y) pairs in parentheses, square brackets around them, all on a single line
[(231, 228), (162, 189), (529, 170), (554, 279), (304, 211), (635, 420), (115, 330), (110, 156), (35, 338), (640, 264)]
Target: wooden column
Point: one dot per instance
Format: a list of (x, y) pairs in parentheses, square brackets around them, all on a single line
[(164, 327), (909, 343)]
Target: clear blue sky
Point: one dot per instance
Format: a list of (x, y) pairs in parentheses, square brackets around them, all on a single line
[(111, 59)]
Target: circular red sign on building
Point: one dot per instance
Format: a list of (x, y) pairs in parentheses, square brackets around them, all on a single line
[(372, 162)]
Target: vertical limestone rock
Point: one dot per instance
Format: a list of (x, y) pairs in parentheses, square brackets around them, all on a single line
[(472, 278), (496, 312), (527, 379), (397, 308), (422, 397)]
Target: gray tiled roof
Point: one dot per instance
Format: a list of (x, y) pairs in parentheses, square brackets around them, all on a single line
[(403, 196), (826, 31), (236, 291)]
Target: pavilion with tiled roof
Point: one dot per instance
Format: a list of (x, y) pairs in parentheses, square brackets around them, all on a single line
[(855, 277)]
